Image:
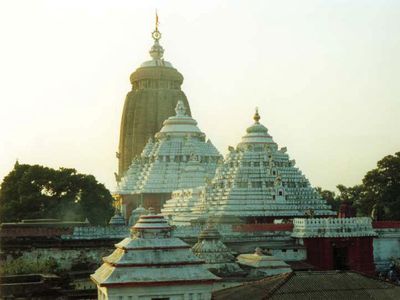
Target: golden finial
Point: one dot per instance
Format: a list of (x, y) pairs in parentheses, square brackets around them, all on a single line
[(256, 116), (156, 34), (157, 20)]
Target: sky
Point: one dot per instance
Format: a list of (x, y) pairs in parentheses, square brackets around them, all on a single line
[(324, 75)]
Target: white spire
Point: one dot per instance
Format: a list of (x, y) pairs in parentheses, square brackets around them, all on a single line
[(180, 109)]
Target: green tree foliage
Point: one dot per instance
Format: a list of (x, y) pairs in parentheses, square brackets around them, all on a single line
[(33, 191), (349, 194), (330, 198), (381, 190), (378, 195)]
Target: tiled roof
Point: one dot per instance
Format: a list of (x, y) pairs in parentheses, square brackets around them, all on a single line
[(251, 290), (313, 285)]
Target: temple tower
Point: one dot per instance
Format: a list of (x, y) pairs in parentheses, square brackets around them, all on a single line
[(178, 157), (156, 88), (256, 183)]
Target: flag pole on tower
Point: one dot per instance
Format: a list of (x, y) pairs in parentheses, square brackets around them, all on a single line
[(157, 23)]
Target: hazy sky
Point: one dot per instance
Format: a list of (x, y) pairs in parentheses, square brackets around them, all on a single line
[(324, 74)]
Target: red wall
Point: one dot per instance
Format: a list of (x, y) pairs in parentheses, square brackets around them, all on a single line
[(386, 224), (359, 255), (263, 227)]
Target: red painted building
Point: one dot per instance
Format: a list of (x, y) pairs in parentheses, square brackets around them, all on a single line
[(353, 253), (337, 243)]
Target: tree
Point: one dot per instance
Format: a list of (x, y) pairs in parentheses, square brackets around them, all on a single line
[(350, 195), (381, 194), (33, 191), (330, 198)]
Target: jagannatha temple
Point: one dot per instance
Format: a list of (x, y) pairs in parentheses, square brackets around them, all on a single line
[(251, 215), (190, 224)]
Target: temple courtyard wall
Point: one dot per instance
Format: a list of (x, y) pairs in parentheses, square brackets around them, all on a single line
[(90, 242), (75, 251), (387, 245)]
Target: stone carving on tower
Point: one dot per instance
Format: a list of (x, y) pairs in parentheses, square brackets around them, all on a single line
[(177, 158), (156, 88), (256, 183)]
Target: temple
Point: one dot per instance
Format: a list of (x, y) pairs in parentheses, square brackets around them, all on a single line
[(247, 226), (178, 157), (257, 183), (150, 264), (156, 88)]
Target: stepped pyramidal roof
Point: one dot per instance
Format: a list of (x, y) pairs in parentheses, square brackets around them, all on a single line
[(178, 157), (149, 257), (256, 182), (219, 259)]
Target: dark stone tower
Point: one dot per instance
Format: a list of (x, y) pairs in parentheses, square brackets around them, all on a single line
[(156, 89)]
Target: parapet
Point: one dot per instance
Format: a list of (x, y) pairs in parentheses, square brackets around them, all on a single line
[(332, 227)]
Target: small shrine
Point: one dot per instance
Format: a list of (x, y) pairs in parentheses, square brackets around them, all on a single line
[(219, 259), (136, 213), (117, 219), (261, 264), (182, 203), (150, 264)]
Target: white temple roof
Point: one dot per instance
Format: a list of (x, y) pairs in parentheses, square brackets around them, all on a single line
[(256, 134), (178, 157), (258, 260), (179, 124), (213, 251), (150, 256), (255, 180), (267, 264), (117, 219)]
